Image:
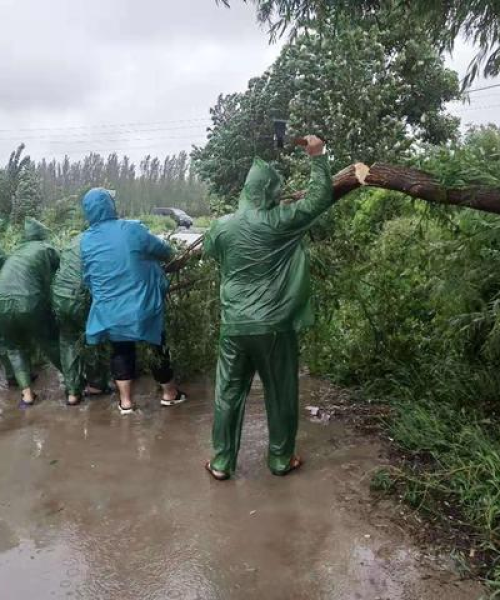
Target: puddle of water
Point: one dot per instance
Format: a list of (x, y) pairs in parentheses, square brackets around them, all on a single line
[(97, 506)]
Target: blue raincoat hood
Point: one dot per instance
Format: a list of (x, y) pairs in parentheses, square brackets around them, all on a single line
[(98, 205)]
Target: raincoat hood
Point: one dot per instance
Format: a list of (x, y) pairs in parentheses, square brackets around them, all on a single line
[(34, 230), (98, 205), (262, 187)]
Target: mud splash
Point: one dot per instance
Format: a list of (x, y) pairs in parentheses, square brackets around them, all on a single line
[(97, 506)]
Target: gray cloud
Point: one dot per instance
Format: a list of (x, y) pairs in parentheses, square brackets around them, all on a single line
[(97, 65), (135, 77), (482, 107)]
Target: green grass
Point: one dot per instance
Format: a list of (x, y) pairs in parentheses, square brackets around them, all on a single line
[(451, 466), (158, 224), (203, 222)]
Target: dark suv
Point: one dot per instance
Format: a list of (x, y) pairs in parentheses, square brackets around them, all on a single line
[(179, 216)]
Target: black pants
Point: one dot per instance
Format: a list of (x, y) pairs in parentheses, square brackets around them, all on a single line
[(123, 361)]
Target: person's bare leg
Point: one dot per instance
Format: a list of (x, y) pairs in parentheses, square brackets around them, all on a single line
[(73, 400), (125, 391), (28, 396), (169, 391)]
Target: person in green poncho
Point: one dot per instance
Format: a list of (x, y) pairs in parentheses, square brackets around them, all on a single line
[(25, 313), (84, 372), (265, 298), (4, 361)]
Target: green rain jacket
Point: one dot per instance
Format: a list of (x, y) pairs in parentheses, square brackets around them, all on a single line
[(70, 297), (264, 265), (27, 273)]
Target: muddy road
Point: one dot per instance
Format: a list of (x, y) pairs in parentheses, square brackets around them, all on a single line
[(96, 506)]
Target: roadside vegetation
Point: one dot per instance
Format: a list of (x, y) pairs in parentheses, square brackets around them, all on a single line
[(407, 294)]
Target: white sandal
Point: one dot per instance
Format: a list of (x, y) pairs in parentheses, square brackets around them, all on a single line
[(126, 411), (179, 399)]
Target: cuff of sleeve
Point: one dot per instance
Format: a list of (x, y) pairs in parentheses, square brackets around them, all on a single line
[(321, 158)]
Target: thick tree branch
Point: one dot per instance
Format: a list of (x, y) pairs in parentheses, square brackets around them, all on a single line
[(349, 179), (414, 183), (419, 184)]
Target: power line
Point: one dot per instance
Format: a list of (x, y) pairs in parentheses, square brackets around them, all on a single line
[(128, 146), (482, 89), (494, 94), (106, 125), (103, 135), (469, 108)]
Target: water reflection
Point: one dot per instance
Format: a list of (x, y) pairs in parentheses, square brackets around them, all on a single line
[(97, 506)]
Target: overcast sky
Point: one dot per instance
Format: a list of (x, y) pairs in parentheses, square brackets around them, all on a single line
[(135, 77)]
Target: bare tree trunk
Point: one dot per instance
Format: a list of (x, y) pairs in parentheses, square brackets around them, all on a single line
[(419, 184)]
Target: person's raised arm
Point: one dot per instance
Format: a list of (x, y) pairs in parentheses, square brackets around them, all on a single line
[(209, 248), (318, 198), (153, 247)]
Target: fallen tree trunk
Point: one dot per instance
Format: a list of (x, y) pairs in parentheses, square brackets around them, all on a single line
[(414, 183), (345, 181), (424, 186), (349, 179)]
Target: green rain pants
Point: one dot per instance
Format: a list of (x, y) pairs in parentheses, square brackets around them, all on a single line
[(7, 367), (21, 332), (275, 357), (79, 364)]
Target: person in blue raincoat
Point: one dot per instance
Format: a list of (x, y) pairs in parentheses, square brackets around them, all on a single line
[(121, 267)]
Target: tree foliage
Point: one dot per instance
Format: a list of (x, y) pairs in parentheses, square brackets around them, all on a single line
[(26, 188), (27, 201), (479, 21), (9, 179), (372, 91), (242, 128)]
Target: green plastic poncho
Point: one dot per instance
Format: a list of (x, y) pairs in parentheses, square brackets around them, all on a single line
[(265, 301), (264, 264), (71, 305), (69, 295), (25, 312), (4, 361)]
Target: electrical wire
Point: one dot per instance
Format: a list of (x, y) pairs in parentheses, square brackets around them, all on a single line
[(114, 126)]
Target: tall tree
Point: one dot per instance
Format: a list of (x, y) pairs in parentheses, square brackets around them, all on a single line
[(10, 179), (372, 90), (27, 200), (479, 21)]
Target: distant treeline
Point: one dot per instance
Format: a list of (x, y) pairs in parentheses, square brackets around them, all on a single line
[(28, 188)]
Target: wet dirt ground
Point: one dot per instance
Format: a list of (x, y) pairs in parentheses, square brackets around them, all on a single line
[(96, 506)]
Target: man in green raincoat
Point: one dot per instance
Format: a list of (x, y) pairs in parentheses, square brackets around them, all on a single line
[(25, 312), (265, 298), (71, 305)]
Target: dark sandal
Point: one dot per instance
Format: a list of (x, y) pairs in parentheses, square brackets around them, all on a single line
[(179, 399), (295, 463), (24, 404), (217, 475)]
